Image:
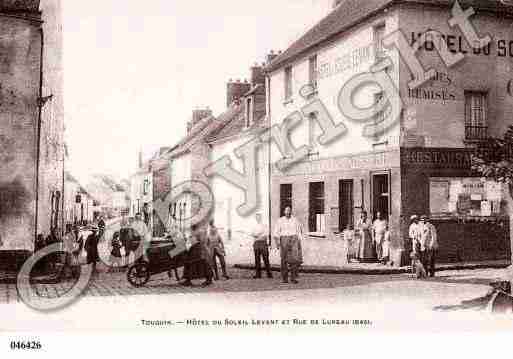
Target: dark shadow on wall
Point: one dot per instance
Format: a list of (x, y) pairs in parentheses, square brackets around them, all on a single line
[(14, 200)]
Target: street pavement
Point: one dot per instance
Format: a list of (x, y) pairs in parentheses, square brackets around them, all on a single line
[(391, 300), (443, 287), (394, 302)]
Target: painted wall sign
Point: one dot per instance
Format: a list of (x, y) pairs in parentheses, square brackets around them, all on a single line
[(347, 61), (369, 161), (438, 89), (437, 157)]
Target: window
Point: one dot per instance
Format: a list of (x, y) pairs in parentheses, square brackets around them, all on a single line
[(285, 197), (317, 218), (146, 186), (288, 83), (476, 118), (379, 35), (249, 112), (379, 117), (312, 64), (345, 204)]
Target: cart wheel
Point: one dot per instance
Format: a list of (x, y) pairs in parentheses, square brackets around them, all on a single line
[(138, 274)]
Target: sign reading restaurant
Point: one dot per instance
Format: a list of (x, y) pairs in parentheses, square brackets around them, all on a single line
[(447, 157)]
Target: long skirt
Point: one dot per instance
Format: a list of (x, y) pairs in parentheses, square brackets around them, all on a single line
[(366, 247), (198, 263)]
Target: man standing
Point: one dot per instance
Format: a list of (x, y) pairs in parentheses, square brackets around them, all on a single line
[(429, 245), (261, 244), (217, 249), (143, 234), (289, 233), (146, 213), (91, 248), (101, 227), (413, 234), (379, 228)]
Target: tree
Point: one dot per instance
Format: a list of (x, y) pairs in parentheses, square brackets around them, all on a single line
[(493, 159)]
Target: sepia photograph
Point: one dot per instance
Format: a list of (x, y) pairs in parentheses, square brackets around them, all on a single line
[(245, 166)]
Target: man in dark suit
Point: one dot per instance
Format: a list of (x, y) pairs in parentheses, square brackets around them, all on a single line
[(91, 247)]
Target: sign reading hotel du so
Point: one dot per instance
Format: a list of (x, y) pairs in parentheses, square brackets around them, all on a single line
[(458, 44)]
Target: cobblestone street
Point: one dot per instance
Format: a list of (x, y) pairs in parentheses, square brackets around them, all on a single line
[(442, 289), (116, 284)]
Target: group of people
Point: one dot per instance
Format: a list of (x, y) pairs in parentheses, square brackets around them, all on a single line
[(424, 240), (374, 243), (74, 244), (206, 247), (288, 234)]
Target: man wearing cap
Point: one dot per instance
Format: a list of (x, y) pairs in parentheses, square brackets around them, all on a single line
[(428, 244), (413, 233)]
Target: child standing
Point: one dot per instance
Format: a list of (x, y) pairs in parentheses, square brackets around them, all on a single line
[(115, 254), (385, 256)]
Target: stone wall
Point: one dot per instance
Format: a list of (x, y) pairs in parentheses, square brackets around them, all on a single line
[(20, 51)]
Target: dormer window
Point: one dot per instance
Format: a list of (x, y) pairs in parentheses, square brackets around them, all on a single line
[(379, 35), (288, 83), (249, 112)]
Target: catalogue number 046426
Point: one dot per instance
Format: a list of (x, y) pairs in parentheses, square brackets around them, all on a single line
[(26, 345)]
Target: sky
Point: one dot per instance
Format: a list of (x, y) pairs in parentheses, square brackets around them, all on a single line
[(134, 70)]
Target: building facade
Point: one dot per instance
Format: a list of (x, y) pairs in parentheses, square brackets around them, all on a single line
[(79, 205), (418, 164), (243, 121), (31, 118)]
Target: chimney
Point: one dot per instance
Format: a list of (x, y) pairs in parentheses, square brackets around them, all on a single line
[(271, 56), (200, 114), (257, 75), (235, 91), (140, 159)]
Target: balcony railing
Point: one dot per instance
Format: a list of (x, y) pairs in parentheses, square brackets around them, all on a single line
[(476, 133)]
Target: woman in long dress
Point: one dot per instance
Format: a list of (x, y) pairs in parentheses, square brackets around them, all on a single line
[(365, 247), (385, 259)]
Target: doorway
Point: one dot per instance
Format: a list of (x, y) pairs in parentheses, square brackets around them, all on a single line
[(345, 204), (381, 194)]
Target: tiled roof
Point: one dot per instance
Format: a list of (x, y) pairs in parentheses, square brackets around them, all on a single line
[(229, 123), (235, 125), (69, 178), (352, 12), (200, 131)]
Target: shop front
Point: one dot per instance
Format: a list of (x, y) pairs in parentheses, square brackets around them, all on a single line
[(328, 196), (468, 211)]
